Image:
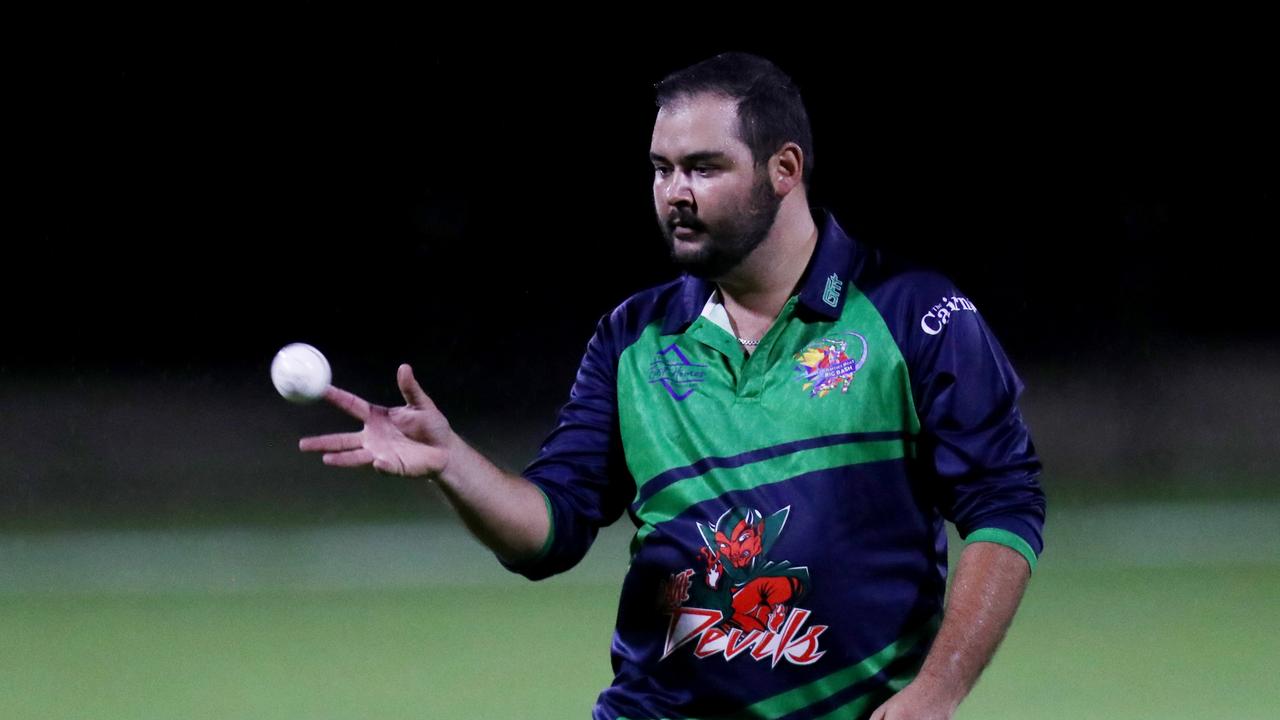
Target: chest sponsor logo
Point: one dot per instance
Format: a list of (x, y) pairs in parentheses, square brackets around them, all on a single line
[(826, 365), (934, 321), (673, 371), (737, 602)]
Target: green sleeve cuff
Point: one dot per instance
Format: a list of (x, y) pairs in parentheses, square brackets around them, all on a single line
[(1006, 538), (551, 528)]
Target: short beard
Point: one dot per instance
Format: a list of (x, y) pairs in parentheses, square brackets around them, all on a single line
[(727, 246)]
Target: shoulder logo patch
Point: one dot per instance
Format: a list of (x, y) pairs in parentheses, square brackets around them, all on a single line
[(825, 364), (673, 371)]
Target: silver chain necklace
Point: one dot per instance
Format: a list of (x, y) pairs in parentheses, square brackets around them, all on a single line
[(747, 342)]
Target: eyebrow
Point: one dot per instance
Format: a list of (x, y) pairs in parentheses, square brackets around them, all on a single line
[(692, 158)]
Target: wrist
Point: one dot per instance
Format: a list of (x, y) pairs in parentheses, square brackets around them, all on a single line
[(942, 691), (453, 447)]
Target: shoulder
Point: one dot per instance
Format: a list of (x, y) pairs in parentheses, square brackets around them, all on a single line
[(648, 303), (916, 301), (652, 305), (624, 324), (894, 284)]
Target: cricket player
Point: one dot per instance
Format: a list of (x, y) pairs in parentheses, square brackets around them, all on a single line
[(788, 424)]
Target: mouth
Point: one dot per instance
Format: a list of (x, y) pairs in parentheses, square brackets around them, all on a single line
[(683, 225)]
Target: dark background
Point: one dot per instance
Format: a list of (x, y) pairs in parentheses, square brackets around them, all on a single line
[(473, 203)]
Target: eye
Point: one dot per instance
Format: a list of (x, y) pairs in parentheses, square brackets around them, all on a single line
[(724, 545), (704, 170), (661, 170), (743, 537)]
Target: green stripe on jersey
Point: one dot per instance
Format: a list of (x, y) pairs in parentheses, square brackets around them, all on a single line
[(860, 705), (675, 499), (823, 688), (799, 698), (1006, 538)]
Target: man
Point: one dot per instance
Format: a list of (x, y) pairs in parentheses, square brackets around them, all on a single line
[(788, 424)]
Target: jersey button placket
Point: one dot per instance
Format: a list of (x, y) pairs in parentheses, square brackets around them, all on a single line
[(714, 337), (755, 369)]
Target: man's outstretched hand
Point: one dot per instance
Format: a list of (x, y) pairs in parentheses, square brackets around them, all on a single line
[(505, 511), (412, 440)]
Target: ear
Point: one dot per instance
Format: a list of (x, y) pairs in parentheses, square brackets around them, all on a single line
[(786, 169)]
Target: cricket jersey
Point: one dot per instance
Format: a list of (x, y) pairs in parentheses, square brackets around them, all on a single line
[(789, 559)]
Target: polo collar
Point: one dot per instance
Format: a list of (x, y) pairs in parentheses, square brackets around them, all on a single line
[(824, 282), (822, 286)]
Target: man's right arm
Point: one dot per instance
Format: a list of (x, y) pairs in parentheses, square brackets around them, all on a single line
[(505, 511), (538, 523)]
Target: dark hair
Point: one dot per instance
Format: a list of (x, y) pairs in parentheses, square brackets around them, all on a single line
[(770, 111)]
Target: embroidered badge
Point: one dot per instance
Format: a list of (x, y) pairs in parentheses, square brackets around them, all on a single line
[(825, 365), (671, 369)]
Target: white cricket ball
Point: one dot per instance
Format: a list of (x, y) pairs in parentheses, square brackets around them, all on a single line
[(300, 373)]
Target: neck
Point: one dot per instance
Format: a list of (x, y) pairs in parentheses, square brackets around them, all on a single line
[(764, 281)]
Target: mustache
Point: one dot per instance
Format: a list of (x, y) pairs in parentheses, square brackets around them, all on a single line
[(684, 218)]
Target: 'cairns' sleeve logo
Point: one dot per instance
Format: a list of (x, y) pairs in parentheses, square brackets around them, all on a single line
[(934, 321), (738, 601)]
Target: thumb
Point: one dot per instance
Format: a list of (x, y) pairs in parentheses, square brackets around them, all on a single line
[(410, 389)]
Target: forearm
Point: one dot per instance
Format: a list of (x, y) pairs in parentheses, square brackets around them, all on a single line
[(989, 583), (505, 511)]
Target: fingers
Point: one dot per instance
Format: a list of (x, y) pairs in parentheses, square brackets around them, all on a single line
[(351, 458), (337, 442), (414, 396), (353, 405)]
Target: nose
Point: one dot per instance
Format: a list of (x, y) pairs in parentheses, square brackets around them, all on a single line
[(678, 191)]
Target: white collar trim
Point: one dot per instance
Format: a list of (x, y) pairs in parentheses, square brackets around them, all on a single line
[(714, 311)]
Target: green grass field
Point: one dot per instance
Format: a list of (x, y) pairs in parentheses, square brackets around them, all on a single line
[(1133, 613)]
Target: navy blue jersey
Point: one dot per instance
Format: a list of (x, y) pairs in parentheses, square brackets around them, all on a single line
[(790, 554)]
